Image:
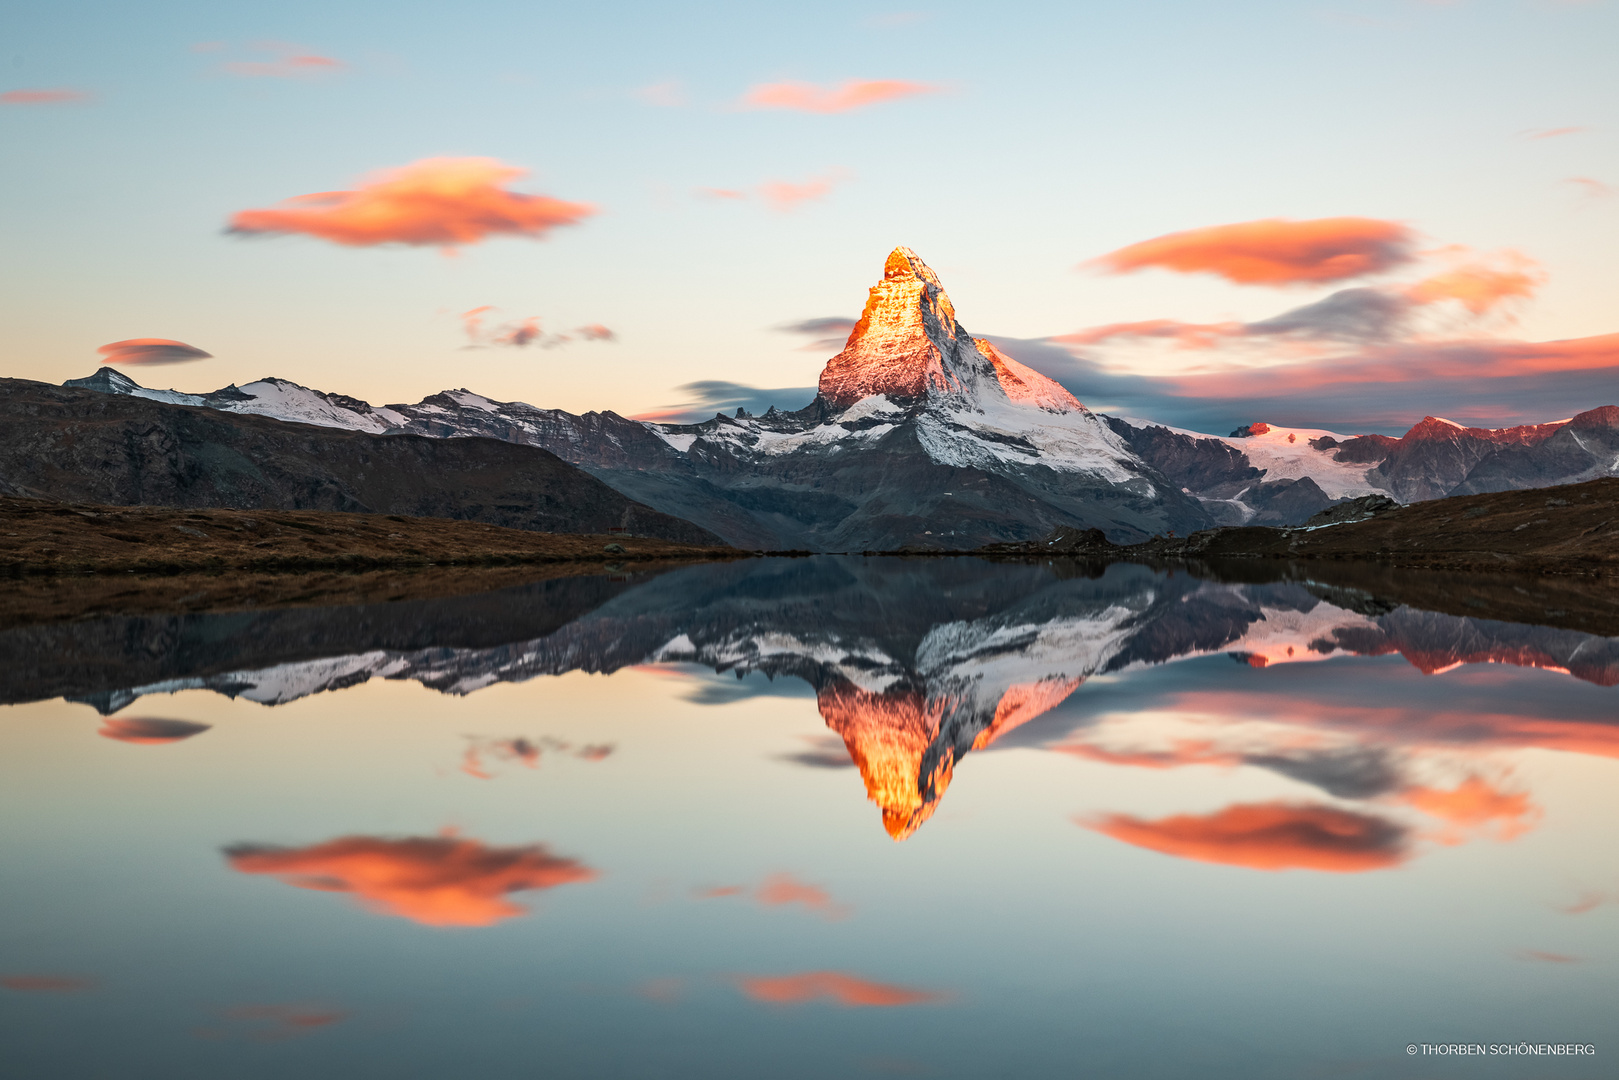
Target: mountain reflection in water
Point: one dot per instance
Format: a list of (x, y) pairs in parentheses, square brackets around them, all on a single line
[(916, 663)]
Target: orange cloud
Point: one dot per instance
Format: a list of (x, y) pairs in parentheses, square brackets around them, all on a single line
[(1268, 836), (1552, 133), (47, 984), (436, 881), (1474, 804), (721, 193), (150, 732), (1275, 251), (850, 991), (43, 97), (852, 94), (438, 201), (596, 332), (1547, 957), (1480, 286), (151, 350)]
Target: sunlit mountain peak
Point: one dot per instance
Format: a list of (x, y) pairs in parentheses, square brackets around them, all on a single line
[(909, 348)]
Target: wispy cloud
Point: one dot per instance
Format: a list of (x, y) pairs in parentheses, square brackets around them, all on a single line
[(826, 332), (521, 333), (669, 94), (849, 991), (709, 396), (1590, 187), (436, 201), (150, 351), (1275, 251), (281, 61), (845, 97), (784, 890), (273, 1023), (1551, 133), (56, 96), (784, 196)]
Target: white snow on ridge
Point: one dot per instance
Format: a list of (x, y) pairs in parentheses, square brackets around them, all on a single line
[(1285, 453), (281, 400)]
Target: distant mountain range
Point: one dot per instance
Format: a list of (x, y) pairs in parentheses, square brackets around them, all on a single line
[(922, 435)]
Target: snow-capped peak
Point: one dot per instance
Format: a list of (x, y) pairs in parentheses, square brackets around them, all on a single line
[(909, 348)]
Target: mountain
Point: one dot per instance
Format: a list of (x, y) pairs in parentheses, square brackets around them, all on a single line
[(914, 663), (922, 435), (72, 444), (1265, 474)]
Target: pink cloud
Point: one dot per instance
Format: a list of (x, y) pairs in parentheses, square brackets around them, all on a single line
[(781, 890), (44, 97), (435, 201), (1592, 188), (849, 95), (785, 197), (287, 62), (151, 351), (849, 991), (1552, 133), (720, 193)]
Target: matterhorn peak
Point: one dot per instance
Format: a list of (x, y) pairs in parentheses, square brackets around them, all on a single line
[(909, 348)]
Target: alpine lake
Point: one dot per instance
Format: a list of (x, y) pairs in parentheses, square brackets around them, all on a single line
[(815, 817)]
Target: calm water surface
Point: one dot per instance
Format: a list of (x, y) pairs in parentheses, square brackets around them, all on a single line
[(810, 818)]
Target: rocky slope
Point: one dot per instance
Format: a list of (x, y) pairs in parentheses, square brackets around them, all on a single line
[(75, 445)]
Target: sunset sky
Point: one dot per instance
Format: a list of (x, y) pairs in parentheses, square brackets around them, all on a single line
[(1343, 214)]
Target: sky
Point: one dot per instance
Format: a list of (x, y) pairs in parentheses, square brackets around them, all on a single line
[(1340, 214)]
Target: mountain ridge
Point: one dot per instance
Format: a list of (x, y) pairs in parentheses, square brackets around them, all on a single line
[(922, 435)]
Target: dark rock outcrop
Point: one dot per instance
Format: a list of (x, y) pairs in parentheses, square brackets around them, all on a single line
[(77, 445)]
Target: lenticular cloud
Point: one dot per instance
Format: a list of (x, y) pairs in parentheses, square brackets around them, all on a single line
[(151, 350), (440, 202)]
